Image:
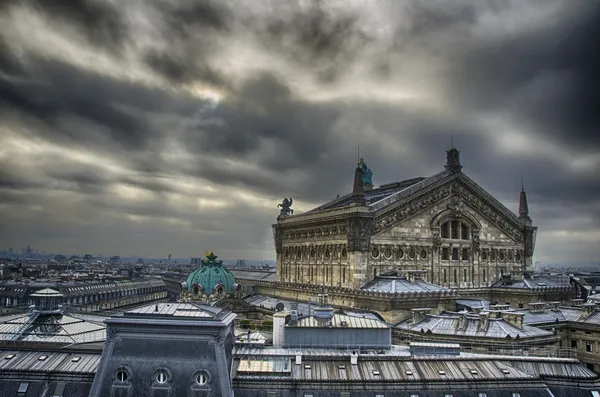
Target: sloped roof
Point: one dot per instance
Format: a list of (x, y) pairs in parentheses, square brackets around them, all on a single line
[(52, 328), (449, 325), (371, 196)]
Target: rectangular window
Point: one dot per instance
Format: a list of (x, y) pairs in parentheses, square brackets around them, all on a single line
[(588, 347), (465, 254), (444, 230), (445, 254), (455, 277), (454, 254), (464, 230), (343, 275), (445, 276), (465, 275), (484, 276), (574, 344), (454, 230)]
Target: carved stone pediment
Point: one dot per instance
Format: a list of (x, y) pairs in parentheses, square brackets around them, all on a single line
[(460, 196)]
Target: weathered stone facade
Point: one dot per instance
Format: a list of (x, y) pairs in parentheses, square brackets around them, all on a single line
[(446, 225)]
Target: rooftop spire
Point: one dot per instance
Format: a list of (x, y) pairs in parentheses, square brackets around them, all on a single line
[(358, 190), (523, 207), (453, 160)]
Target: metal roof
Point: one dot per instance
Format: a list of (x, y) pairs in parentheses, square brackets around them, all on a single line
[(28, 361), (52, 328), (339, 321), (400, 284), (175, 310), (450, 324)]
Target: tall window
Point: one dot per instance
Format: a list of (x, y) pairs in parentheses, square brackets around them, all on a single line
[(484, 276), (454, 230), (343, 275), (464, 231), (445, 254), (455, 277), (465, 275), (445, 276), (444, 230), (454, 254), (465, 254)]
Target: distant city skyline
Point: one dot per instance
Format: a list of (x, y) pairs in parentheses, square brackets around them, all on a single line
[(174, 127)]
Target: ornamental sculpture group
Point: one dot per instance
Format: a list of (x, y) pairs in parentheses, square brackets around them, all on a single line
[(286, 207)]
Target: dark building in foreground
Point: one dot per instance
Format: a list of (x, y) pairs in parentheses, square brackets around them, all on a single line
[(187, 349)]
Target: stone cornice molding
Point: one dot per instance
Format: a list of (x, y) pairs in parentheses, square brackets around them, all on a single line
[(356, 293)]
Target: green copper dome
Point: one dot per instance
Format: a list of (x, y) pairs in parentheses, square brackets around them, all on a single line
[(210, 275)]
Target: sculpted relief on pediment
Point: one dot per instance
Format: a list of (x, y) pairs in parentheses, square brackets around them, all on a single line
[(461, 197)]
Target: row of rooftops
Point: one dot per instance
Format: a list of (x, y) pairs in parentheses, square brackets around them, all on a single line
[(77, 287)]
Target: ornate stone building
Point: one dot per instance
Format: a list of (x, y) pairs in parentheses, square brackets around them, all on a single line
[(446, 225)]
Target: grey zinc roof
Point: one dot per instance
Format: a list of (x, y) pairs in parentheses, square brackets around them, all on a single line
[(190, 310), (339, 321), (28, 361), (372, 196), (254, 275), (563, 314), (400, 284), (54, 328), (338, 367), (448, 324)]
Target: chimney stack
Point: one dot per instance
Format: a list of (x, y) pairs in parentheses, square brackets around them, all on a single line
[(515, 319), (483, 321), (419, 314)]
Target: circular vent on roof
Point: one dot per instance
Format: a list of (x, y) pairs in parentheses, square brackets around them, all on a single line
[(279, 307)]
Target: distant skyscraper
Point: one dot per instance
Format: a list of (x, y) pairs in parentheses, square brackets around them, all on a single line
[(169, 257)]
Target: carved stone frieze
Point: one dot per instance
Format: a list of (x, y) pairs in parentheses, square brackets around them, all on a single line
[(359, 232), (314, 232), (464, 196), (278, 235)]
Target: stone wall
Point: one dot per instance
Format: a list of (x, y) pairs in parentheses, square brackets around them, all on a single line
[(411, 245)]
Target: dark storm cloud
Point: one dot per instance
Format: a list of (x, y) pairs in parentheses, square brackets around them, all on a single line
[(190, 27), (272, 139), (326, 42), (545, 78), (56, 93), (266, 110), (204, 14), (181, 66), (98, 20)]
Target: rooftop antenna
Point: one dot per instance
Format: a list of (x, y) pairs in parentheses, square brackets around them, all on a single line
[(358, 154), (522, 183), (452, 140)]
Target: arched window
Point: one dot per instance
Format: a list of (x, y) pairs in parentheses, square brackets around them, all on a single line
[(455, 230)]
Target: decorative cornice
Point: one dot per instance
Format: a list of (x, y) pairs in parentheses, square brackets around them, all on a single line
[(465, 193)]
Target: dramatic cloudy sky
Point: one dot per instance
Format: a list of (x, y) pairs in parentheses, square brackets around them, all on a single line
[(170, 126)]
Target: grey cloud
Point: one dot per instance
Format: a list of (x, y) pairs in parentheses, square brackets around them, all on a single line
[(325, 42), (546, 78), (99, 21), (293, 145)]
